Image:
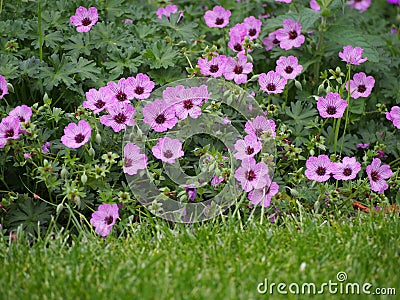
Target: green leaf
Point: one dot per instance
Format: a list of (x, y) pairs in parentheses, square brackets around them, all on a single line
[(76, 46), (306, 16), (86, 69), (9, 66), (160, 55), (357, 106), (119, 61)]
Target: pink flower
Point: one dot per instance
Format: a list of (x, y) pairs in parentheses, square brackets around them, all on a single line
[(314, 5), (377, 175), (216, 181), (76, 135), (360, 5), (98, 100), (104, 218), (248, 147), (22, 112), (237, 69), (84, 18), (362, 146), (142, 86), (3, 87), (133, 160), (288, 67), (252, 175), (394, 2), (271, 41), (45, 147), (214, 67), (394, 116), (189, 102), (319, 168), (272, 82), (332, 106), (284, 1), (159, 115), (347, 169), (167, 11), (27, 155), (121, 91), (259, 126), (168, 150), (290, 35), (9, 129), (360, 85), (352, 56), (119, 116), (218, 17), (191, 191), (263, 196), (253, 27)]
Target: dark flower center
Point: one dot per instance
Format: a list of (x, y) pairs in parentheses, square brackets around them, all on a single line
[(250, 175), (128, 162), (214, 68), (271, 87), (375, 176), (86, 22), (100, 104), (321, 171), (1, 91), (120, 118), (9, 133), (259, 132), (188, 104), (21, 119), (238, 70), (361, 88), (331, 110), (79, 138), (238, 47), (160, 119), (347, 172), (292, 34), (168, 154), (275, 41), (252, 32), (121, 96), (139, 90), (219, 21), (108, 220), (249, 150), (289, 69)]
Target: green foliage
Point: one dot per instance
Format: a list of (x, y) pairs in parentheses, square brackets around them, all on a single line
[(160, 55)]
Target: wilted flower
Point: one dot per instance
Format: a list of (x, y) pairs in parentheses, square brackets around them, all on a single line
[(3, 87), (133, 159), (218, 17), (84, 18), (319, 168), (46, 147), (361, 85), (377, 175), (104, 218), (272, 82), (394, 116), (347, 169), (76, 135), (168, 150), (352, 55), (290, 35), (332, 106)]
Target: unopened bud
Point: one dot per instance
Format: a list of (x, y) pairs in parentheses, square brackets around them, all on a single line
[(84, 178), (98, 138)]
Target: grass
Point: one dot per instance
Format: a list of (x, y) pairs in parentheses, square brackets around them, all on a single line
[(213, 260)]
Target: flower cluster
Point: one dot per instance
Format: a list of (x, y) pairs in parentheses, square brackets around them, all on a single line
[(287, 37), (13, 125)]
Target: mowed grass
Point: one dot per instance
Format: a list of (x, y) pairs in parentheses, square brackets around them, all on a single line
[(213, 260)]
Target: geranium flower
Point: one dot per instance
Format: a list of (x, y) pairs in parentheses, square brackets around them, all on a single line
[(377, 175), (10, 128), (104, 218), (272, 82), (121, 91), (98, 100), (142, 86), (167, 11), (133, 159), (360, 5), (189, 102), (45, 147), (394, 116), (76, 135), (191, 190), (252, 175), (159, 115), (22, 112), (3, 87), (84, 18), (290, 35), (319, 168), (332, 106), (218, 17), (314, 5), (216, 181), (347, 169), (259, 126), (362, 146), (361, 85), (214, 67), (288, 67), (119, 116), (352, 56), (237, 69), (253, 27), (248, 147), (263, 196), (236, 43), (168, 150)]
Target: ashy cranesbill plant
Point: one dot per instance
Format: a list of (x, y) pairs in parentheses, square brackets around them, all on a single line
[(74, 79)]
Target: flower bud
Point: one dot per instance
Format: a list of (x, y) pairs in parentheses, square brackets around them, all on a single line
[(98, 138), (92, 152), (84, 178)]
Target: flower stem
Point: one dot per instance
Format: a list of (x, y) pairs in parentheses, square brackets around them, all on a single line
[(347, 81), (40, 32)]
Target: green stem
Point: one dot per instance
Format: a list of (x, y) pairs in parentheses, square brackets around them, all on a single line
[(348, 104), (40, 32)]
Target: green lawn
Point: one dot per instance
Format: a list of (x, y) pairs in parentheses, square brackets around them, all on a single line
[(213, 260)]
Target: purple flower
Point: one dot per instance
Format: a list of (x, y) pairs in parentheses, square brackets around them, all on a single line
[(9, 129), (248, 147), (104, 218), (290, 35), (84, 18), (23, 113), (377, 175), (332, 106), (394, 116), (347, 169), (236, 43), (218, 17), (214, 67), (216, 181), (121, 91), (253, 27), (98, 100), (76, 135), (167, 11), (191, 191), (168, 150), (314, 5), (284, 1), (46, 147), (394, 2), (360, 85), (380, 153), (362, 146), (159, 115), (360, 5), (27, 155), (133, 160), (263, 196), (237, 69), (189, 100), (271, 41), (288, 67), (142, 86), (119, 116), (352, 56), (272, 82), (259, 126), (3, 87), (319, 168), (252, 175)]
